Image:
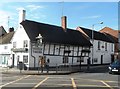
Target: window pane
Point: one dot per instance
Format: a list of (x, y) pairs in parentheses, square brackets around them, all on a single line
[(25, 59)]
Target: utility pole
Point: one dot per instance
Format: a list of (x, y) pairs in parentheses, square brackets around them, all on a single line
[(62, 7), (93, 40)]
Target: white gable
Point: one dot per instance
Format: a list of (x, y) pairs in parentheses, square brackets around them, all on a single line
[(19, 36)]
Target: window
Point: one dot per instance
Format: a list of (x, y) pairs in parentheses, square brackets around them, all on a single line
[(105, 46), (5, 47), (82, 59), (4, 60), (112, 48), (14, 44), (25, 58), (98, 45), (95, 60), (25, 43), (65, 59)]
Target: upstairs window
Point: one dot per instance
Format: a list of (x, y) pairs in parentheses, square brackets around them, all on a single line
[(112, 47), (105, 46), (25, 43), (14, 44), (98, 45), (5, 47)]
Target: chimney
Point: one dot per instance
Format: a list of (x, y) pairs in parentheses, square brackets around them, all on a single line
[(11, 29), (22, 13), (64, 23)]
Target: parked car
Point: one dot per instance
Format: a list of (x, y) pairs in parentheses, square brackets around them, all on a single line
[(115, 67)]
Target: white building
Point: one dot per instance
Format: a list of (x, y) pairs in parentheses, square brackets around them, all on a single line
[(59, 46), (102, 51), (5, 49)]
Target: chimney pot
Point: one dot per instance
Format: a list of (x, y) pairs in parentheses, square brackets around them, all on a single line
[(11, 29), (22, 13)]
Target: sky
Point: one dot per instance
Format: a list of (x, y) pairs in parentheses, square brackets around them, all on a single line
[(84, 14)]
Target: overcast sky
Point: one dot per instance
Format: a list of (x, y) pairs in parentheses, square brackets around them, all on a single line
[(83, 14)]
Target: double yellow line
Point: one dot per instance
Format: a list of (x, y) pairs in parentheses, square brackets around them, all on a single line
[(73, 83), (40, 83)]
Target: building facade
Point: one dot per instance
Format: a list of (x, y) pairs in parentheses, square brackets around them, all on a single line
[(59, 46), (5, 49), (102, 51)]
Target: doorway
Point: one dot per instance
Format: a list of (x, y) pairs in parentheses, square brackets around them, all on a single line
[(101, 59), (13, 59), (112, 58)]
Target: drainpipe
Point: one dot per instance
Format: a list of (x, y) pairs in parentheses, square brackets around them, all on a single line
[(32, 54)]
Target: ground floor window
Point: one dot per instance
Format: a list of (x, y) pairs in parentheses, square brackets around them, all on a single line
[(95, 60), (80, 59), (25, 58), (4, 60), (65, 59)]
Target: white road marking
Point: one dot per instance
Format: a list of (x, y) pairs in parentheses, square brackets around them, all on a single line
[(15, 81)]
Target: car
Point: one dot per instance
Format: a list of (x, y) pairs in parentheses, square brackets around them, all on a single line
[(114, 67)]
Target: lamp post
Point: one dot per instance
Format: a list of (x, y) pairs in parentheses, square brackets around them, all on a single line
[(39, 43), (93, 39)]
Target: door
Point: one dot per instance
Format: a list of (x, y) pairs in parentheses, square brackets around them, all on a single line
[(101, 59), (112, 58)]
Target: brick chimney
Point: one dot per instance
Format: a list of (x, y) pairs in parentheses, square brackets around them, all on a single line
[(11, 29), (64, 23)]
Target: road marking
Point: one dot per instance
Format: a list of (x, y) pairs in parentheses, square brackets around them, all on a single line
[(73, 83), (14, 81), (107, 85), (40, 83)]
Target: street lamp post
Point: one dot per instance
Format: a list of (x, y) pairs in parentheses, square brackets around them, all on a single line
[(93, 39), (39, 43)]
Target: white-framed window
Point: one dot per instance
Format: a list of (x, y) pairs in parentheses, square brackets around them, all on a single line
[(5, 47), (14, 44), (112, 47), (25, 58), (65, 59), (95, 60), (80, 59), (98, 45), (105, 46), (25, 43)]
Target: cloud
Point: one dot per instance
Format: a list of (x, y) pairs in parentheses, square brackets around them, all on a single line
[(20, 8), (37, 16), (34, 7), (92, 17)]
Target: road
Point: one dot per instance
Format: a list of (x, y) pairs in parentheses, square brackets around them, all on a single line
[(72, 81)]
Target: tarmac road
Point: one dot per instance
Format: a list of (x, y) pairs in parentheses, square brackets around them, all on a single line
[(71, 81)]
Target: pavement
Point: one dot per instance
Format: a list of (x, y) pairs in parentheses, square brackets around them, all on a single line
[(92, 69)]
